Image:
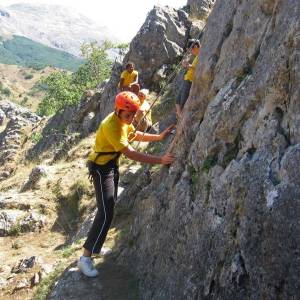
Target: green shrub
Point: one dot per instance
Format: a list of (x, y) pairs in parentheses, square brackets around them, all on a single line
[(15, 230), (28, 76), (6, 92), (209, 162), (36, 137), (44, 287)]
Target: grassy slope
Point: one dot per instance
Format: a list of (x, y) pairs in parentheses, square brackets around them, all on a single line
[(21, 82), (25, 52)]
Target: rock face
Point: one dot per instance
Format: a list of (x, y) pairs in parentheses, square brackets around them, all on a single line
[(13, 136), (36, 174), (200, 9), (223, 221), (11, 110), (165, 34), (113, 282), (2, 117)]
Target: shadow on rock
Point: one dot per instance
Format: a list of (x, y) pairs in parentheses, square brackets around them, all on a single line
[(114, 282)]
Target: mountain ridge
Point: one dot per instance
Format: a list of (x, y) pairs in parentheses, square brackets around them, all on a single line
[(24, 52), (53, 25)]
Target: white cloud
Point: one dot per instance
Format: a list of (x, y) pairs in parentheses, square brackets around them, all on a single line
[(123, 18)]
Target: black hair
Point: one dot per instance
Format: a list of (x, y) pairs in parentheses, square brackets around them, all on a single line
[(130, 63), (193, 42)]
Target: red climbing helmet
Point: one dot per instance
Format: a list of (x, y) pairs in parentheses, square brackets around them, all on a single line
[(127, 101)]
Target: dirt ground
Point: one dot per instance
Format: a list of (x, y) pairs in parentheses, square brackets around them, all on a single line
[(65, 197)]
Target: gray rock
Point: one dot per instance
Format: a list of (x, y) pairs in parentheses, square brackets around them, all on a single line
[(25, 201), (32, 222), (289, 171), (36, 174), (223, 221), (88, 123), (21, 284), (73, 285), (197, 28), (14, 221), (2, 117), (36, 279), (24, 264), (13, 137), (13, 110), (170, 28), (200, 9), (8, 219), (84, 227)]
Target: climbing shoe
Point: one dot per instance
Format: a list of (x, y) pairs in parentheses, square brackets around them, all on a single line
[(85, 265)]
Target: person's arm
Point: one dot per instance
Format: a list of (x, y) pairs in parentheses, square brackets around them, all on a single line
[(148, 137), (136, 79), (130, 153)]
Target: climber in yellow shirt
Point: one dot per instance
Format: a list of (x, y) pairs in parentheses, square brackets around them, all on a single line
[(112, 139), (194, 47), (142, 119), (129, 79)]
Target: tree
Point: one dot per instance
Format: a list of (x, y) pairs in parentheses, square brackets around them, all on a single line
[(97, 67), (65, 88), (60, 92)]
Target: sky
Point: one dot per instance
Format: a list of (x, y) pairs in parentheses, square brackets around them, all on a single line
[(123, 18)]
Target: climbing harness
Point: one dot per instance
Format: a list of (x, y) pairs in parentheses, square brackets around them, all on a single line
[(91, 164)]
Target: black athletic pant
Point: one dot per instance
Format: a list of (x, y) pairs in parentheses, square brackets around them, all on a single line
[(105, 179)]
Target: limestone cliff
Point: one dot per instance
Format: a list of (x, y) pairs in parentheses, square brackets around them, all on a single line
[(223, 221)]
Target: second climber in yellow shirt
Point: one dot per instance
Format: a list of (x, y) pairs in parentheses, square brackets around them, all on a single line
[(129, 79), (142, 119), (194, 47)]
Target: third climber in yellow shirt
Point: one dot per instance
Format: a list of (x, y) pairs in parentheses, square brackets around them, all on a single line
[(194, 47), (142, 119), (129, 79)]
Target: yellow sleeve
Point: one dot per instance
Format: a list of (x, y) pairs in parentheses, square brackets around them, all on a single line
[(117, 137), (123, 74), (195, 61)]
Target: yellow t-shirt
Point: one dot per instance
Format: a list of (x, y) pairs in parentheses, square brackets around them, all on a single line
[(111, 136), (128, 77), (189, 75)]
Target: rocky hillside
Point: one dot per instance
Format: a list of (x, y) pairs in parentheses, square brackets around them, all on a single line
[(222, 221), (53, 25)]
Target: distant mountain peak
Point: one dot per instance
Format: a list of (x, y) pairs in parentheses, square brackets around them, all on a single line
[(56, 26), (4, 13)]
